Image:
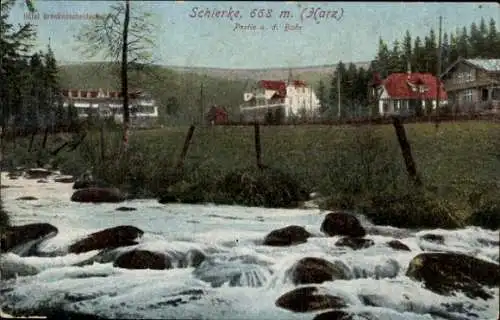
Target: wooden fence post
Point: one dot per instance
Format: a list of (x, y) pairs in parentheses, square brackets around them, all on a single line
[(411, 168), (258, 147), (103, 146), (45, 137), (182, 157)]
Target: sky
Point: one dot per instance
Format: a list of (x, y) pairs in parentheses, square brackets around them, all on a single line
[(351, 35)]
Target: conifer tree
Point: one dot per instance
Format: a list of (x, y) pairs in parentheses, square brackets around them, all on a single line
[(322, 97)]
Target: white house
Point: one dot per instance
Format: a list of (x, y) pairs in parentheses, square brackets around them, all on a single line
[(280, 99), (143, 107), (404, 93)]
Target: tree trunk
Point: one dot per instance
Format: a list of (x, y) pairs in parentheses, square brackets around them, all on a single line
[(124, 75)]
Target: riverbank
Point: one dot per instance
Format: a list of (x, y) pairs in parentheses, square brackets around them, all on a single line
[(356, 168)]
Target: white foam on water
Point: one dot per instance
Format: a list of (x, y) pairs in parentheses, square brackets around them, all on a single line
[(239, 279)]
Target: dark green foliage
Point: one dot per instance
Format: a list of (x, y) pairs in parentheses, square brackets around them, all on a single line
[(268, 187), (412, 209), (486, 207), (4, 217), (486, 216), (481, 41)]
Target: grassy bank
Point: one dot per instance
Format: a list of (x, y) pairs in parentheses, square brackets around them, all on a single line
[(354, 167)]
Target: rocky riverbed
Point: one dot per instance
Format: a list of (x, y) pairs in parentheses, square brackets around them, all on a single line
[(142, 259)]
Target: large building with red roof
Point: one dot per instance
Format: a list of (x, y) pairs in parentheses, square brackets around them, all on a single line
[(286, 98), (404, 93)]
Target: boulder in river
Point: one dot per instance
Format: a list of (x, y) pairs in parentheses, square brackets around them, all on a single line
[(98, 195), (308, 299), (436, 238), (64, 179), (334, 315), (12, 266), (342, 224), (108, 238), (38, 173), (126, 209), (354, 243), (193, 258), (316, 270), (287, 236), (398, 245), (27, 198), (143, 259), (19, 235), (444, 273)]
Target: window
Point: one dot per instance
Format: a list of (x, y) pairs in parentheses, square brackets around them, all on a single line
[(495, 94), (468, 95), (469, 76)]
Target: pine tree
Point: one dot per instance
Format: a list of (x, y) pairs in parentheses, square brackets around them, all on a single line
[(483, 46), (34, 102), (54, 113), (407, 48), (474, 41), (15, 43), (445, 51), (418, 60), (383, 58), (322, 97), (430, 55), (454, 55), (493, 41), (396, 60), (463, 47), (349, 94)]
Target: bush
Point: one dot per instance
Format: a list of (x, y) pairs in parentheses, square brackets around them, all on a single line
[(254, 187), (487, 216), (270, 188), (4, 218), (412, 209)]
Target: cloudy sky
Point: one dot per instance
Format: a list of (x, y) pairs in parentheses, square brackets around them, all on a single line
[(182, 40)]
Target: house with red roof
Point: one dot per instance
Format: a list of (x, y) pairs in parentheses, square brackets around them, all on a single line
[(279, 99), (407, 93), (217, 115)]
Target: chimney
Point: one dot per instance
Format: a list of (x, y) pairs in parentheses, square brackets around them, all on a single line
[(409, 69)]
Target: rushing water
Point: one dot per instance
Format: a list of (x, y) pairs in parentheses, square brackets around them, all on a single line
[(240, 278)]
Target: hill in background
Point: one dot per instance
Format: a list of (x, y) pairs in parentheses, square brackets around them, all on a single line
[(180, 90)]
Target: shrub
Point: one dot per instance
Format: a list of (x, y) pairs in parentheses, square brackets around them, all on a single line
[(267, 187), (4, 218), (412, 209), (485, 205), (487, 216)]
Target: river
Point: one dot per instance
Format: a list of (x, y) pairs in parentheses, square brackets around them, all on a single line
[(239, 279)]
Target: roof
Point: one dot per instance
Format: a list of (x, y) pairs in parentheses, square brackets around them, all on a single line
[(490, 65), (95, 93), (278, 86), (299, 83), (399, 85)]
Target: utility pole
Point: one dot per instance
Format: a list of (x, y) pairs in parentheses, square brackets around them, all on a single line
[(438, 76), (201, 104), (338, 91)]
